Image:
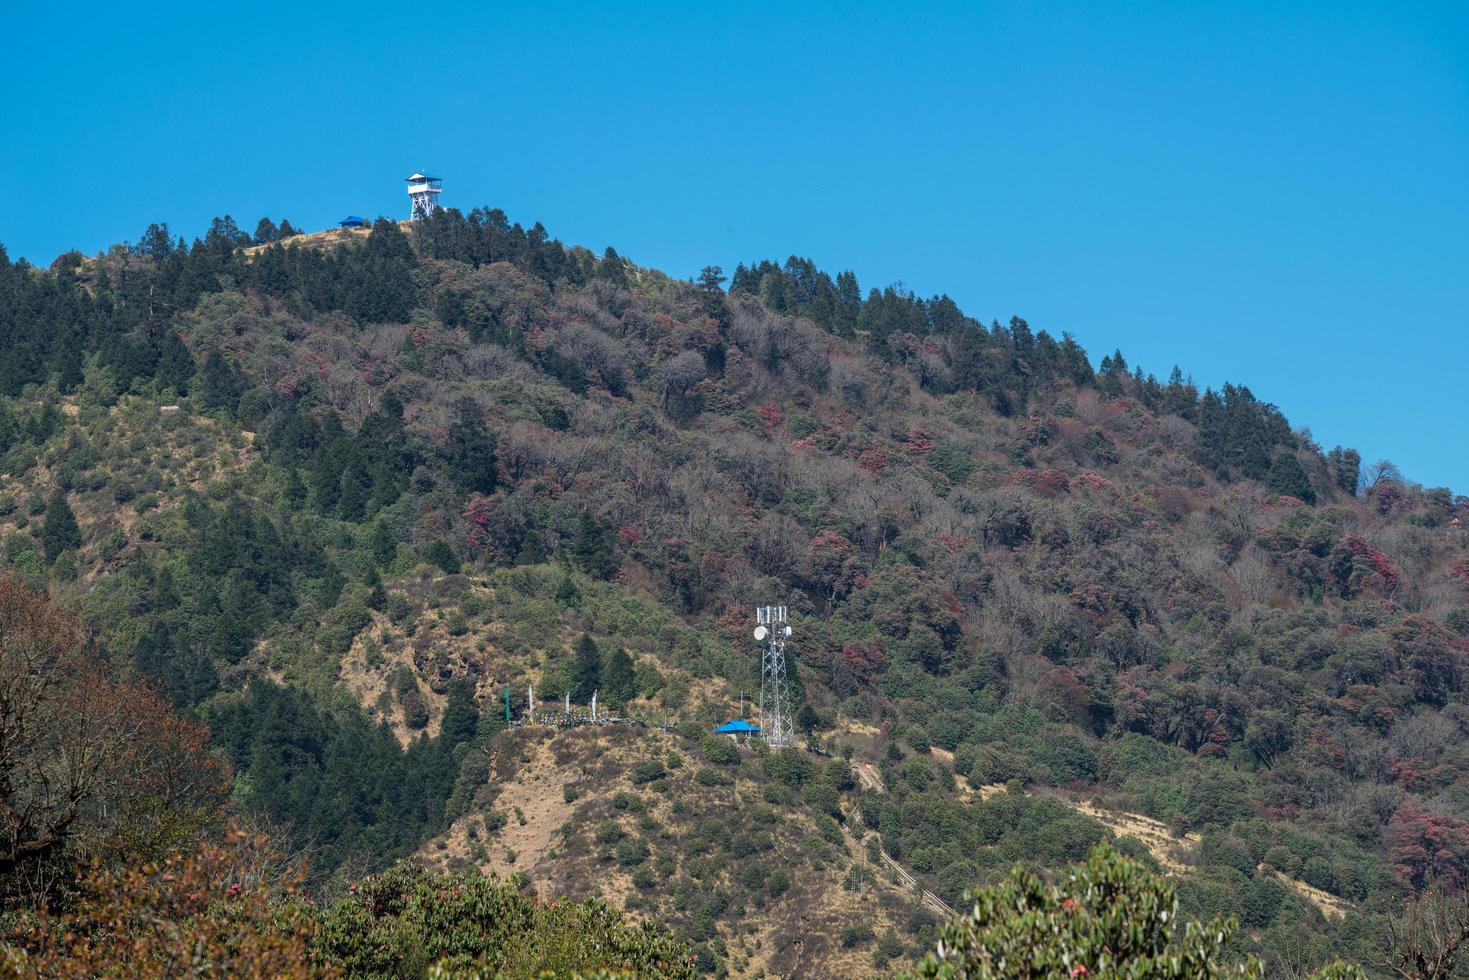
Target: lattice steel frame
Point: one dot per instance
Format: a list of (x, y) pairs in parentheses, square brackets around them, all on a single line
[(777, 719)]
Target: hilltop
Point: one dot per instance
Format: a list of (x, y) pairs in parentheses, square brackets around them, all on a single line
[(335, 494)]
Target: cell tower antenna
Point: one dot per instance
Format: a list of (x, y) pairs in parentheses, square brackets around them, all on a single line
[(776, 717), (423, 195)]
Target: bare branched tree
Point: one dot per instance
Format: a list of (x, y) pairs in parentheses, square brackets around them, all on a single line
[(1427, 937)]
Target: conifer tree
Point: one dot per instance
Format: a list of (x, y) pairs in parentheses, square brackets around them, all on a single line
[(60, 530), (218, 385), (586, 671), (618, 680), (471, 450), (175, 363), (592, 547), (356, 485), (1286, 476), (461, 715), (377, 597), (711, 293), (380, 543), (67, 364), (1345, 466)]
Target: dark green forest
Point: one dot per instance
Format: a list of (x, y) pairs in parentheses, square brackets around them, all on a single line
[(270, 471)]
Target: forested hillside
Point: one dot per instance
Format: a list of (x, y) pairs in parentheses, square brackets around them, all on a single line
[(331, 497)]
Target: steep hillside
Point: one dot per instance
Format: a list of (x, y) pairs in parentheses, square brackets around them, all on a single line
[(337, 497)]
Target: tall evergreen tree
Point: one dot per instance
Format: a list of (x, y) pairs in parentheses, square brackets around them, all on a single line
[(461, 715), (380, 543), (219, 386), (471, 450), (593, 547), (1286, 476), (356, 486), (66, 362), (175, 363), (619, 682), (1345, 466), (60, 530), (711, 292), (586, 670)]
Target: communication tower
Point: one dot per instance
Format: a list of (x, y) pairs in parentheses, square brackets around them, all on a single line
[(777, 719), (423, 195)]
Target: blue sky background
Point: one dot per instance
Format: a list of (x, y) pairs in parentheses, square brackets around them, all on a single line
[(1270, 193)]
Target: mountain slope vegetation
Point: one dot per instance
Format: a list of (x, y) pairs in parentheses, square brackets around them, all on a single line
[(342, 501)]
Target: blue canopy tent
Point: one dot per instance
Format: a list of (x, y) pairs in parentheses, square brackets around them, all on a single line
[(736, 728)]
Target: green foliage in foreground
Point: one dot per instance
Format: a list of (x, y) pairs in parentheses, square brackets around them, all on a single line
[(407, 922), (1107, 917)]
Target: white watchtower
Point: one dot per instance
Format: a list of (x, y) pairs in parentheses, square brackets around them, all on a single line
[(423, 195)]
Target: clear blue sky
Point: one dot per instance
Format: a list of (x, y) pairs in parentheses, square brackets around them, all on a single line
[(1271, 193)]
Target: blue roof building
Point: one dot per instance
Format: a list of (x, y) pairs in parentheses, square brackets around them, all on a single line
[(352, 221), (736, 728)]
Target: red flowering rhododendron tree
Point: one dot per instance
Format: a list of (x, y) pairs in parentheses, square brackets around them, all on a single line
[(834, 567), (874, 461), (1429, 848), (857, 665), (771, 415)]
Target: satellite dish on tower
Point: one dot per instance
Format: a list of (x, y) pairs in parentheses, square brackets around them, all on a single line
[(761, 632), (788, 631)]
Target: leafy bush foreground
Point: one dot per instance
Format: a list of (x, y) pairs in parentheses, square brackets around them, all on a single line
[(225, 910)]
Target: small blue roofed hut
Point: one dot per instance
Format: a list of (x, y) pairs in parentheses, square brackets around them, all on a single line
[(736, 728), (352, 221)]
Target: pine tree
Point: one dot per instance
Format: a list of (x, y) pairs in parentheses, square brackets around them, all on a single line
[(377, 596), (438, 552), (461, 715), (592, 547), (586, 671), (60, 530), (380, 543), (1345, 466), (218, 385), (1286, 476), (356, 486), (175, 363), (471, 450), (618, 679), (711, 293), (67, 364)]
